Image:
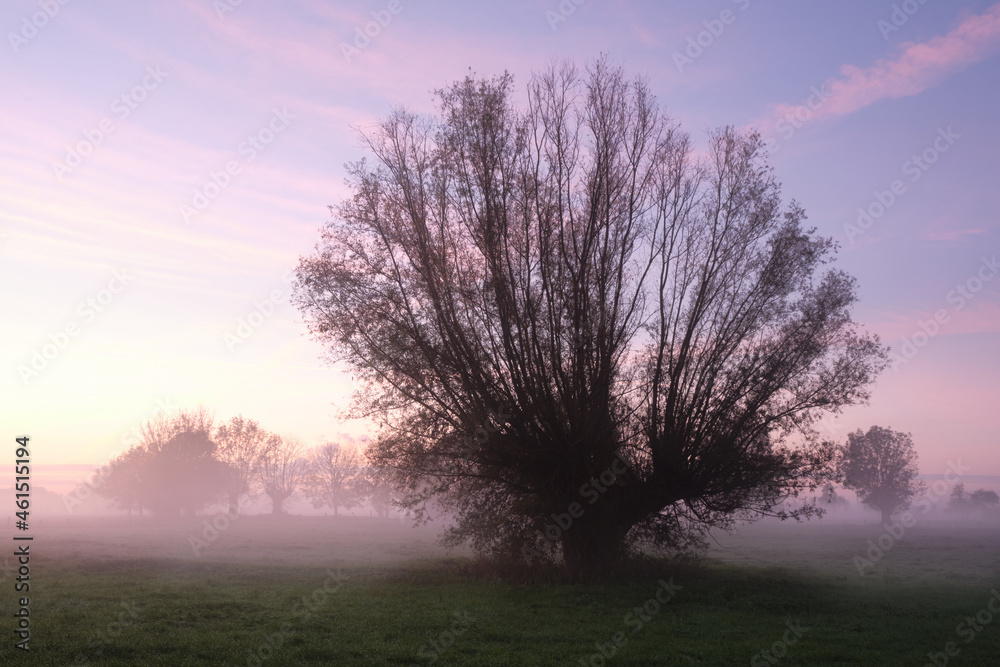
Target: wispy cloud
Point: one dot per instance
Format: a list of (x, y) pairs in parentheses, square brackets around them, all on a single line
[(914, 68), (952, 234)]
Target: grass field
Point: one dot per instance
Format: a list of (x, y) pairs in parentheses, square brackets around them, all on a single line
[(355, 591)]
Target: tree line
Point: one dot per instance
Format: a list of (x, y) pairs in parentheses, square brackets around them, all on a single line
[(185, 462)]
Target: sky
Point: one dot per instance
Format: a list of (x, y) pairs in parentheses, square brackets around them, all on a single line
[(163, 165)]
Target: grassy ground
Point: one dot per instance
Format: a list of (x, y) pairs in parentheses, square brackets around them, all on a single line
[(172, 611)]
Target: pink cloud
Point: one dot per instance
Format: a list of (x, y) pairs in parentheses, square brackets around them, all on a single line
[(980, 315), (951, 234), (912, 70)]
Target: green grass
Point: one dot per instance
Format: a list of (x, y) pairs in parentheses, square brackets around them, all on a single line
[(204, 613)]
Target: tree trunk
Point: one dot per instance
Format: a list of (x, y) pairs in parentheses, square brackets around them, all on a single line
[(886, 516), (277, 504), (593, 550)]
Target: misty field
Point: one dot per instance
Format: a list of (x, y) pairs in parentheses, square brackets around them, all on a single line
[(364, 591)]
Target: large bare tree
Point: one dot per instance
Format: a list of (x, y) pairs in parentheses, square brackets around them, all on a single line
[(570, 323)]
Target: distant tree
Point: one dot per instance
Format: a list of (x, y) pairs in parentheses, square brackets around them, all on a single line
[(881, 467), (242, 443), (334, 477), (172, 470), (282, 470), (120, 480), (376, 487), (984, 499), (959, 499), (830, 497), (980, 499), (183, 474), (581, 294)]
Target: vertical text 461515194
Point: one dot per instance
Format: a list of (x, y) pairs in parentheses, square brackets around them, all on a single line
[(22, 500)]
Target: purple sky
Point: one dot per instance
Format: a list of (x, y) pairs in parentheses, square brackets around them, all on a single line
[(164, 164)]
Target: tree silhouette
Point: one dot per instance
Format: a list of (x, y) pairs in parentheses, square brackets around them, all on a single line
[(958, 499), (334, 477), (173, 469), (881, 466), (830, 497), (375, 485), (120, 480), (183, 475), (980, 499), (282, 469), (984, 499), (536, 297), (242, 444)]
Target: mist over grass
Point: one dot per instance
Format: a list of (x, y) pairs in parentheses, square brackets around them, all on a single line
[(298, 590)]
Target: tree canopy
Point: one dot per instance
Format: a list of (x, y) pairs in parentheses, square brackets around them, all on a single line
[(563, 312), (242, 446), (282, 470), (172, 470), (334, 477), (979, 500), (881, 466)]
